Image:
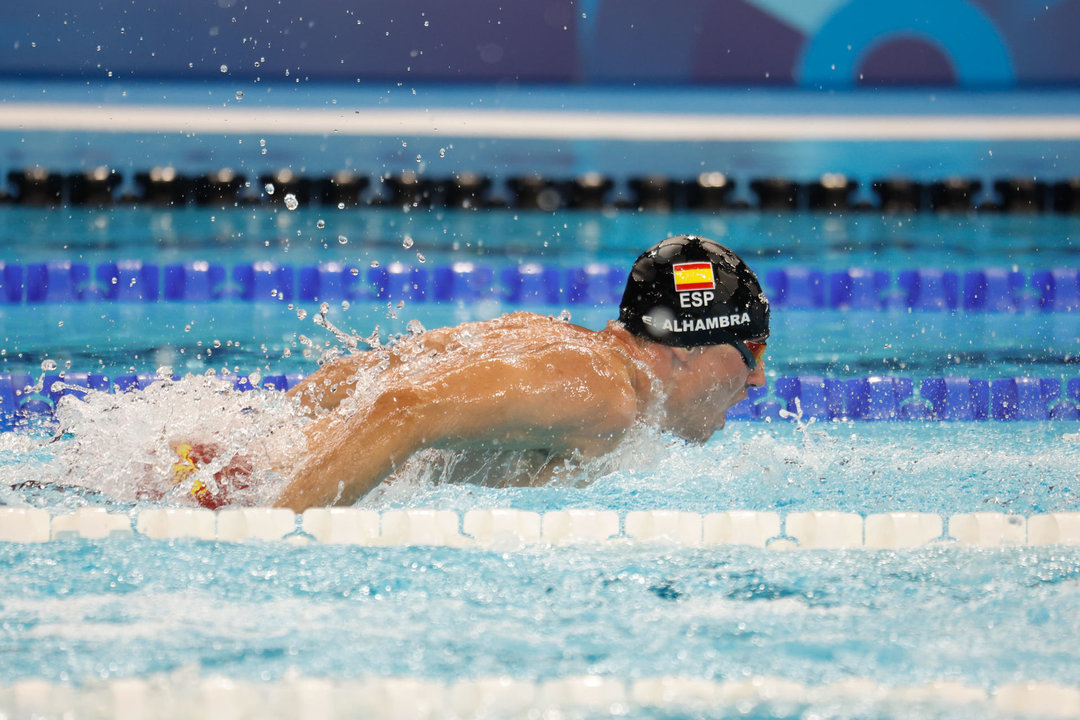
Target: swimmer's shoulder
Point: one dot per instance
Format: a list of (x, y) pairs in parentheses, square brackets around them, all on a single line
[(547, 324), (511, 323)]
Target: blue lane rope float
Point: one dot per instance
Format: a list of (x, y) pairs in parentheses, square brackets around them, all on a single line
[(925, 289), (864, 399), (794, 288)]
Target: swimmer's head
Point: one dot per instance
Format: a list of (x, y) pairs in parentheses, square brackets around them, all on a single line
[(689, 291)]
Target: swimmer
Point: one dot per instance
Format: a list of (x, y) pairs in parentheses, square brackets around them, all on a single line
[(688, 344)]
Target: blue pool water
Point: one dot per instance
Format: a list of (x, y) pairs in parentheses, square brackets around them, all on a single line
[(81, 609), (77, 611)]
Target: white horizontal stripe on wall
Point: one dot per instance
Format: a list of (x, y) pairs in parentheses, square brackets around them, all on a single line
[(539, 124)]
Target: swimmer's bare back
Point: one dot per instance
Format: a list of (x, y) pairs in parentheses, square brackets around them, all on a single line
[(519, 382)]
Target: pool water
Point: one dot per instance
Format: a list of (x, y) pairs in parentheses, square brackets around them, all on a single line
[(76, 611), (82, 609)]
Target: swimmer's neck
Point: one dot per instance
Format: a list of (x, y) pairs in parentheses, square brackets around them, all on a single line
[(647, 361)]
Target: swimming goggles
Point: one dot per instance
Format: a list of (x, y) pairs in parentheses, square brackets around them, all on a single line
[(751, 352)]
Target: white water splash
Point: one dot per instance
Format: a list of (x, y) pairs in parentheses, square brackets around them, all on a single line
[(123, 444)]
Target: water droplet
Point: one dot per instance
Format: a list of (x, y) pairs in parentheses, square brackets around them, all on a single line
[(286, 352), (374, 263), (60, 324), (341, 206), (324, 308), (345, 305), (421, 258), (407, 242), (320, 223), (48, 365), (239, 94), (262, 142), (442, 152), (414, 327), (269, 187), (342, 240), (217, 343), (187, 328), (301, 314), (291, 202), (224, 68)]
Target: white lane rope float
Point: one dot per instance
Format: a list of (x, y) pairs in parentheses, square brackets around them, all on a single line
[(185, 694), (506, 528)]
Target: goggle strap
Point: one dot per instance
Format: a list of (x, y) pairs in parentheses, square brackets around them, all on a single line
[(726, 338)]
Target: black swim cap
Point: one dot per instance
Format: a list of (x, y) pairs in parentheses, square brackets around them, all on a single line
[(688, 291)]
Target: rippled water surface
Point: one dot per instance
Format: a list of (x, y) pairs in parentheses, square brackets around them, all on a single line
[(72, 610)]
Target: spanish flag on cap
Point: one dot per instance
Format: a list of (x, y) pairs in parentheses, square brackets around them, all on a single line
[(693, 276)]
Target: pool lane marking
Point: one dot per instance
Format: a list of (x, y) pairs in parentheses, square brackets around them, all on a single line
[(536, 125)]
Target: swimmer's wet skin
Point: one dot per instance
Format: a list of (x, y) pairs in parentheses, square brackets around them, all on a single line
[(689, 342)]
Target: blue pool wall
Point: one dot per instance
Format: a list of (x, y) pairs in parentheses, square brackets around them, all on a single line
[(812, 43)]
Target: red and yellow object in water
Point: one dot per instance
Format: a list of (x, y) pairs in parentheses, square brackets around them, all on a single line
[(190, 456)]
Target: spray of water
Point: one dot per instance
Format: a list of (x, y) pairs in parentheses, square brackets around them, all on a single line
[(124, 445)]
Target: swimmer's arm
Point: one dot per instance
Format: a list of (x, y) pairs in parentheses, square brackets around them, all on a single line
[(348, 456), (565, 401)]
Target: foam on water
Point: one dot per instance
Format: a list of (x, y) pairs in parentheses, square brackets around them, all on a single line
[(122, 445), (942, 468)]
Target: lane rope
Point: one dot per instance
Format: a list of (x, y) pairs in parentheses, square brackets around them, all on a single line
[(187, 695), (994, 290), (508, 528)]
